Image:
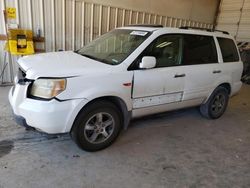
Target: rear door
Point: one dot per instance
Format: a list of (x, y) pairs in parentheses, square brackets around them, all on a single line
[(200, 61)]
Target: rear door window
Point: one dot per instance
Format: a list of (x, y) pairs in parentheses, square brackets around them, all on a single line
[(199, 49), (228, 50)]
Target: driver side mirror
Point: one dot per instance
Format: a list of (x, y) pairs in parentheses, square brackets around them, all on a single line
[(148, 62)]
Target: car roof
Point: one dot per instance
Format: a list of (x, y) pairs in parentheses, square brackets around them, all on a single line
[(184, 30), (140, 28)]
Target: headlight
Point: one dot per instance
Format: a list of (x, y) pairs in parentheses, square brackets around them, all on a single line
[(47, 88)]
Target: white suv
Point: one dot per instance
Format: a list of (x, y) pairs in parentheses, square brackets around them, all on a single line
[(129, 72)]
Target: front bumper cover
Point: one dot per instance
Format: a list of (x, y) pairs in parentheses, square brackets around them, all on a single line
[(51, 117)]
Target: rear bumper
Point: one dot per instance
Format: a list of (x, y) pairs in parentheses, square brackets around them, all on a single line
[(47, 116)]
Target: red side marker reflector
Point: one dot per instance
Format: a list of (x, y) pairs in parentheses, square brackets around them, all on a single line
[(127, 84)]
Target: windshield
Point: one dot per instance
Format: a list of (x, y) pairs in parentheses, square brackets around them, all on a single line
[(115, 46)]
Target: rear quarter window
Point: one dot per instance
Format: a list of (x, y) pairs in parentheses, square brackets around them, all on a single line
[(228, 50)]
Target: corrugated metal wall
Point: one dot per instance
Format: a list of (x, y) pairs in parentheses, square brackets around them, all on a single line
[(70, 24), (234, 16)]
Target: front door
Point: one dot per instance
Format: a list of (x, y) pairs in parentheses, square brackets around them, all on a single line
[(164, 84)]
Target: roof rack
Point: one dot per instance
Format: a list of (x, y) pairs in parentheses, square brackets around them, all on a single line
[(204, 29), (145, 25)]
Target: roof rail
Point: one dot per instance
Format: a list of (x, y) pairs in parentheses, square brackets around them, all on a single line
[(145, 25), (204, 29), (224, 32)]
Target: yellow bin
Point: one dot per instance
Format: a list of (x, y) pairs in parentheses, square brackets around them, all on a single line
[(20, 42)]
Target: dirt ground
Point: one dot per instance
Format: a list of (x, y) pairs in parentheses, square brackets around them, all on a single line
[(174, 149)]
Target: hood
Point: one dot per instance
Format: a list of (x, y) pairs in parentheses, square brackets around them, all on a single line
[(60, 64)]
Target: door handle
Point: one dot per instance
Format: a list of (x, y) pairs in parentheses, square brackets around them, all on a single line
[(179, 75), (216, 71)]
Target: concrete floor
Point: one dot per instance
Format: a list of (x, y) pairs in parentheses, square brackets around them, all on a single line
[(174, 149)]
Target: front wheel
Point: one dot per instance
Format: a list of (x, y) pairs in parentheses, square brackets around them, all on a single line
[(216, 104), (97, 126)]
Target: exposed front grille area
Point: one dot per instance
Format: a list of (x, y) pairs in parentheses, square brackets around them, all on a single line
[(21, 75)]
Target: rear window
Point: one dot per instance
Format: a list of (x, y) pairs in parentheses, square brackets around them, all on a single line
[(228, 50), (199, 49)]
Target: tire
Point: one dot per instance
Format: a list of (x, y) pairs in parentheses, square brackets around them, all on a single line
[(97, 126), (216, 104)]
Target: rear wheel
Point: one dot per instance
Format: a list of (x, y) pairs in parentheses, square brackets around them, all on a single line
[(97, 126), (216, 104)]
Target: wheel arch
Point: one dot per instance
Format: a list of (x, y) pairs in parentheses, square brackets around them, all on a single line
[(118, 102), (226, 85)]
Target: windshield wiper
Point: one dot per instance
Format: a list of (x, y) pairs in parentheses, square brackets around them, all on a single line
[(89, 56), (97, 59)]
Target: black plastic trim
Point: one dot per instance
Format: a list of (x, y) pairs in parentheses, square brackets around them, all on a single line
[(145, 25), (22, 121)]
